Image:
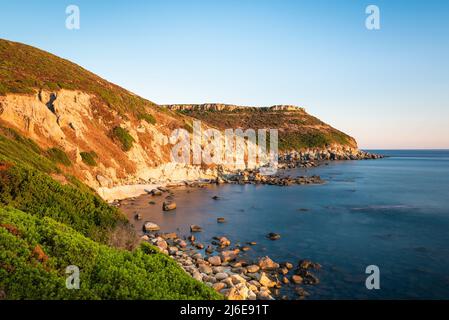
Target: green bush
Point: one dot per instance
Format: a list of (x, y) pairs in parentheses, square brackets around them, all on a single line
[(105, 273), (75, 205), (59, 156), (89, 158), (123, 136), (147, 117)]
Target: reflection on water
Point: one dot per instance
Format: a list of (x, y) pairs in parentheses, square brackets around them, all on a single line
[(392, 212)]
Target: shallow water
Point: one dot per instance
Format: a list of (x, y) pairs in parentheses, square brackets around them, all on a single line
[(393, 213)]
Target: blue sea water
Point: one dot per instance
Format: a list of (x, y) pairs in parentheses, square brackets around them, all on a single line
[(392, 213)]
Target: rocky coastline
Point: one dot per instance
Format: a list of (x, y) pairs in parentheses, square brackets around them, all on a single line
[(220, 263)]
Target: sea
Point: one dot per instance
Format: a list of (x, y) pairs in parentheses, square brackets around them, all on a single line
[(390, 213)]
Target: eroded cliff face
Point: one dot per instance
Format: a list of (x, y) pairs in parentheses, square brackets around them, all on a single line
[(74, 122), (77, 122)]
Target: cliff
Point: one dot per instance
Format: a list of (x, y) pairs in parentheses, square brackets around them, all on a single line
[(106, 136)]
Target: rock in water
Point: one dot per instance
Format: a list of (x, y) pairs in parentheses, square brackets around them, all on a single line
[(150, 226), (221, 220), (168, 205), (195, 228), (274, 236)]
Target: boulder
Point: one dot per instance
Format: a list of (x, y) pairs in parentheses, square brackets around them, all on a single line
[(266, 263), (297, 279), (195, 228), (265, 281), (205, 269), (215, 260), (253, 268), (221, 220), (168, 206), (228, 255), (150, 226)]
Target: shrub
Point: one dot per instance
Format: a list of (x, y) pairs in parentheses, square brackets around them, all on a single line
[(89, 158), (147, 117), (58, 156), (123, 136), (105, 273)]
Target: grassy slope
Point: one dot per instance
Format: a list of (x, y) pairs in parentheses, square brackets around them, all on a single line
[(71, 225), (35, 253), (297, 129), (24, 69)]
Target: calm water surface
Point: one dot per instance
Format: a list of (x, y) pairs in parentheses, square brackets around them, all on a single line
[(393, 213)]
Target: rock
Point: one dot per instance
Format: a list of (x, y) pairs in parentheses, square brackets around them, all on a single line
[(214, 260), (252, 295), (253, 268), (215, 197), (150, 226), (301, 292), (246, 248), (273, 236), (264, 295), (181, 243), (161, 243), (170, 235), (221, 220), (205, 269), (195, 228), (152, 202), (156, 192), (265, 281), (285, 280), (197, 276), (138, 216), (145, 238), (168, 206), (252, 243), (266, 263), (224, 242), (209, 249), (163, 189), (283, 270), (307, 264), (228, 255), (236, 279), (218, 286), (221, 276), (297, 279), (173, 250), (288, 265), (199, 246)]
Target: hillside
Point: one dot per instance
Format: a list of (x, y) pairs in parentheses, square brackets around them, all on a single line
[(298, 130), (66, 138)]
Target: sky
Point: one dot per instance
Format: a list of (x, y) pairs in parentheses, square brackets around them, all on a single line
[(388, 88)]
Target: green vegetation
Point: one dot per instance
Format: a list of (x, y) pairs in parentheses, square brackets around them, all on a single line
[(36, 193), (147, 117), (297, 129), (35, 253), (46, 226), (89, 158), (16, 149), (24, 69), (59, 156), (123, 136)]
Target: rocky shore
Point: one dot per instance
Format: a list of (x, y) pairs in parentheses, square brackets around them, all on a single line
[(219, 265)]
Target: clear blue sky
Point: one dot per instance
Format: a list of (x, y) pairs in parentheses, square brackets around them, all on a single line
[(388, 88)]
